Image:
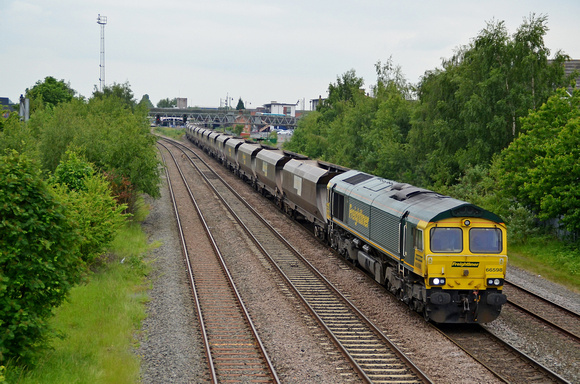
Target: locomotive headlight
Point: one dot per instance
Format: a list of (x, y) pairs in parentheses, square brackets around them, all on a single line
[(494, 282), (437, 281), (467, 223)]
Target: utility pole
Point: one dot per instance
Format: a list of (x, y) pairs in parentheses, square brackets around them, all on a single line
[(102, 21)]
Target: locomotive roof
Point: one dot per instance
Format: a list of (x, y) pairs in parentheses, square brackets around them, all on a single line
[(398, 198)]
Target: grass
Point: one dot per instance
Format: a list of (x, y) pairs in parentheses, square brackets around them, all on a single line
[(174, 133), (98, 323), (550, 258)]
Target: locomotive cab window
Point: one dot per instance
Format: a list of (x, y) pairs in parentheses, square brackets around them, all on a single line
[(485, 240), (446, 240)]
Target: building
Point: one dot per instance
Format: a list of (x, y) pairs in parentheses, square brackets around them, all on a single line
[(276, 108), (6, 107), (314, 103), (182, 102), (571, 66)]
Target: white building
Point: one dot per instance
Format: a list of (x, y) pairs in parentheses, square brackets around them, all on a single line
[(281, 108)]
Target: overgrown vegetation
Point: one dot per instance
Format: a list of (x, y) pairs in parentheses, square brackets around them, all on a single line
[(39, 261), (175, 133), (109, 307), (70, 177)]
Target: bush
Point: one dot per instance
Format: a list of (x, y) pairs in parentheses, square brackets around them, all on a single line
[(39, 260), (91, 204)]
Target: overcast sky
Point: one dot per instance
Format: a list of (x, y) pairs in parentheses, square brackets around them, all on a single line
[(259, 50)]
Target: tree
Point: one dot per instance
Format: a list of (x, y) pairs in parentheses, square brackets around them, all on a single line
[(107, 133), (39, 261), (240, 105), (344, 91), (16, 135), (238, 129), (146, 102), (122, 92), (167, 103), (471, 109), (360, 131), (541, 167), (49, 92), (90, 203)]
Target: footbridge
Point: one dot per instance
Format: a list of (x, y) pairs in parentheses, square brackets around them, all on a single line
[(222, 117)]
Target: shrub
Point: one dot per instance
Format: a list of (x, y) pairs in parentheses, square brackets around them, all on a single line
[(39, 260), (91, 205)]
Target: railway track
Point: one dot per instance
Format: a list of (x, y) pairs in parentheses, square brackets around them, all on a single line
[(233, 348), (506, 362), (372, 355), (547, 312)]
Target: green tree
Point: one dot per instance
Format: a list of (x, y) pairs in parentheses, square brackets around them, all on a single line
[(39, 261), (240, 105), (344, 91), (72, 172), (56, 129), (49, 92), (238, 129), (18, 136), (105, 131), (471, 109), (146, 102), (360, 131), (167, 103), (121, 92), (541, 167), (311, 137), (89, 200)]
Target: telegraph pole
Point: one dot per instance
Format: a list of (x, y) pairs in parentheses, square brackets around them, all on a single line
[(102, 21)]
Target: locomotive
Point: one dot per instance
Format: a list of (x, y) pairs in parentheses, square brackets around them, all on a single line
[(444, 257)]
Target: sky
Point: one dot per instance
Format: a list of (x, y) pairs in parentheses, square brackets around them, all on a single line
[(260, 51)]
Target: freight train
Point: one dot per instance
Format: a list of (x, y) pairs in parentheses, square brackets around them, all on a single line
[(444, 257)]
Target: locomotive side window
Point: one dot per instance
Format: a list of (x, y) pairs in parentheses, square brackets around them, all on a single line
[(338, 206), (446, 240), (418, 235), (485, 240)]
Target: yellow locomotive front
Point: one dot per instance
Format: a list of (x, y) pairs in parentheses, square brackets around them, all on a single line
[(464, 265)]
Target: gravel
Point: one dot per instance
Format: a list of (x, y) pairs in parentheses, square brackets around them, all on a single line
[(169, 342)]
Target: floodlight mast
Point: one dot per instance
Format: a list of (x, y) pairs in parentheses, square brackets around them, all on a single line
[(102, 21)]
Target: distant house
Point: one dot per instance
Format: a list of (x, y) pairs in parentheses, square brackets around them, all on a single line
[(314, 103), (5, 103), (569, 67), (276, 108), (240, 119)]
